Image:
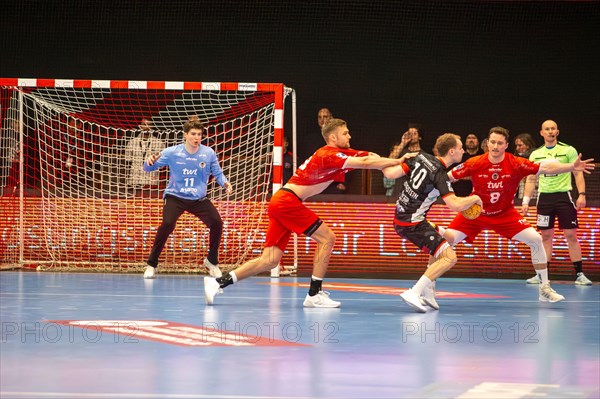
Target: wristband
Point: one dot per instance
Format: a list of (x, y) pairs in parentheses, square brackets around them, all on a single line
[(526, 200), (582, 193)]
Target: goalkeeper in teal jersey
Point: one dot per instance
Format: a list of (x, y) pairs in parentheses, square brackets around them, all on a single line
[(555, 200), (190, 166)]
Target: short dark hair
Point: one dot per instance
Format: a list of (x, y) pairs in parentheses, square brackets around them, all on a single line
[(499, 130), (193, 124)]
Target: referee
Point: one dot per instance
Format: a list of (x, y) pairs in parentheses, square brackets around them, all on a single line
[(555, 200)]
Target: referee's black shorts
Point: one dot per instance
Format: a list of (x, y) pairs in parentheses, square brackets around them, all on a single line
[(556, 205)]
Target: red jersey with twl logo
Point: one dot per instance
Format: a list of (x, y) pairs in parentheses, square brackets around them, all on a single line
[(326, 164), (495, 183)]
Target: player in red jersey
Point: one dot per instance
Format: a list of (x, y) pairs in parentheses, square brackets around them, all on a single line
[(495, 177), (288, 214)]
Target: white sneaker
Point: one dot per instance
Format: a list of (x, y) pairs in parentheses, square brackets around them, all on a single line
[(582, 280), (213, 270), (412, 300), (150, 272), (211, 289), (547, 294), (428, 297), (534, 280), (321, 300)]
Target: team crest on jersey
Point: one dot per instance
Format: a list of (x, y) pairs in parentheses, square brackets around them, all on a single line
[(495, 176), (341, 155), (202, 165)]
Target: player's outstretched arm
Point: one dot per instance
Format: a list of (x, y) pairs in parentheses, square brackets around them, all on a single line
[(369, 162), (580, 165), (396, 171)]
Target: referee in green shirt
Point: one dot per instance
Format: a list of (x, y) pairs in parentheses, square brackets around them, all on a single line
[(555, 200)]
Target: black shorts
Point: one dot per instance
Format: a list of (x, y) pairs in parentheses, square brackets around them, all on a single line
[(553, 205), (423, 235)]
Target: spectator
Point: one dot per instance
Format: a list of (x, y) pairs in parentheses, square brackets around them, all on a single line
[(524, 146), (323, 116), (484, 146), (410, 142), (77, 171), (139, 149)]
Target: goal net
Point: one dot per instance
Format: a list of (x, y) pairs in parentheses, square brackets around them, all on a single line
[(73, 192)]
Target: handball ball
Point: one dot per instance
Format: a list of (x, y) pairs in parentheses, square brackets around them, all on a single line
[(472, 212)]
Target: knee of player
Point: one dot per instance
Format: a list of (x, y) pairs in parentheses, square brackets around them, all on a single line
[(268, 261), (449, 237), (535, 240), (448, 253), (331, 238)]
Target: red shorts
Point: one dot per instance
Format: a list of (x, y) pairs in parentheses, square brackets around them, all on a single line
[(508, 224), (287, 214)]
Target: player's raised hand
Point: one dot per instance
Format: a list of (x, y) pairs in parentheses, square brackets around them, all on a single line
[(152, 158), (585, 166), (228, 188), (406, 137)]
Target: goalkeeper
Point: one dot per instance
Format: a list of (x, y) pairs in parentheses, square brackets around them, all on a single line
[(190, 166), (288, 214), (422, 179)]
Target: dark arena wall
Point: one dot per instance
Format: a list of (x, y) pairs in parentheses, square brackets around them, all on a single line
[(452, 66)]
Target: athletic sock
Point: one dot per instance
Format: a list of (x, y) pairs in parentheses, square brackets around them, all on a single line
[(578, 266), (423, 282), (227, 279), (543, 275), (316, 284)]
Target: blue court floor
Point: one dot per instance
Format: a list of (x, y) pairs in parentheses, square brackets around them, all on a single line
[(67, 335)]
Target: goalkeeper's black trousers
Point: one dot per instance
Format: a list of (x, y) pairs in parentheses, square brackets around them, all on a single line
[(203, 209)]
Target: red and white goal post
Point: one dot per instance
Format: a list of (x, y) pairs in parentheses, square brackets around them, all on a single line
[(72, 193)]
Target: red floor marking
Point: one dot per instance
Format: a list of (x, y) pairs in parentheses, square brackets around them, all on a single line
[(209, 334)]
